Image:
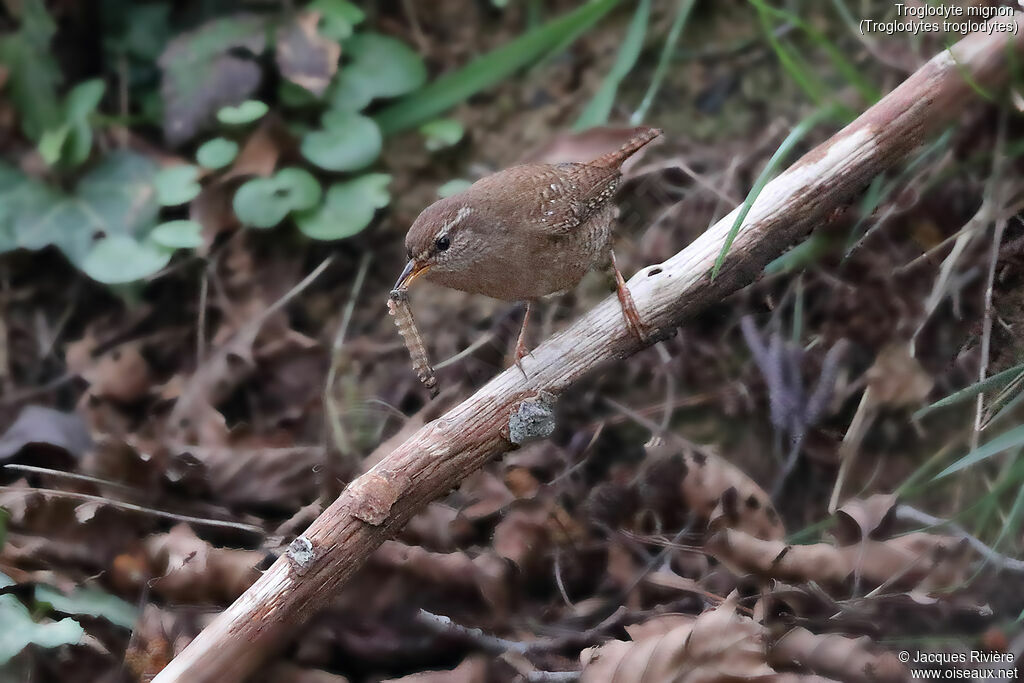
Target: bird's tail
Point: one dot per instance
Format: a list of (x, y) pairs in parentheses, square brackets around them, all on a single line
[(641, 136)]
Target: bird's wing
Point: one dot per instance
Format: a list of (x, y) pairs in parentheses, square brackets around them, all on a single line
[(570, 194)]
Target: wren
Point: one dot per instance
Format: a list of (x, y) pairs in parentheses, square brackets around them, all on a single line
[(524, 233)]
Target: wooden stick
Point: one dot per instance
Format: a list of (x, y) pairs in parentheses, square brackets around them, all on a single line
[(443, 452)]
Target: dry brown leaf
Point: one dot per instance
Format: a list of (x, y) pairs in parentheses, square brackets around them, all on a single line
[(189, 569), (120, 373), (486, 495), (438, 527), (659, 626), (471, 670), (529, 532), (484, 576), (915, 561), (261, 151), (719, 645), (862, 518), (160, 635), (255, 473), (285, 672), (853, 660), (676, 480), (151, 647), (45, 530), (305, 57), (897, 379)]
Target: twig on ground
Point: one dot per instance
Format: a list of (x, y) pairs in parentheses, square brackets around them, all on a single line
[(202, 521), (910, 514)]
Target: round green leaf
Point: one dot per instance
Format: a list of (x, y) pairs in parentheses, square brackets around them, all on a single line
[(337, 17), (264, 202), (391, 65), (176, 185), (246, 112), (217, 153), (379, 66), (295, 96), (453, 187), (177, 235), (117, 259), (347, 209), (83, 99), (348, 142), (442, 133)]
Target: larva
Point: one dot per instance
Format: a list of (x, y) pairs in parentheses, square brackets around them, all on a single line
[(398, 307)]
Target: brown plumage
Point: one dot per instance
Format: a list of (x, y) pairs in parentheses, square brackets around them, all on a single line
[(525, 232)]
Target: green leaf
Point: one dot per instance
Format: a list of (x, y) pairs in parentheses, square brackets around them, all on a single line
[(844, 67), (348, 208), (92, 602), (118, 259), (337, 17), (134, 30), (348, 142), (767, 173), (295, 96), (998, 380), (176, 185), (180, 234), (19, 630), (436, 98), (264, 202), (442, 133), (453, 187), (668, 49), (246, 112), (381, 67), (115, 197), (52, 142), (83, 99), (600, 106), (33, 71), (217, 153), (72, 140), (1003, 442)]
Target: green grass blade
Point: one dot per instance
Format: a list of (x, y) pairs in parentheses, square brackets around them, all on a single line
[(1013, 520), (436, 98), (682, 14), (600, 106), (769, 171), (921, 479), (1007, 409), (850, 72), (791, 62), (1003, 442), (998, 380)]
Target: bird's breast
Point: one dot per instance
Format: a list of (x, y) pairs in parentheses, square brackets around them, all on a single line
[(530, 266)]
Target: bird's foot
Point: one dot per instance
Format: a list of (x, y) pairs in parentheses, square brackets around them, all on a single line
[(632, 316), (520, 353), (521, 349), (629, 312)]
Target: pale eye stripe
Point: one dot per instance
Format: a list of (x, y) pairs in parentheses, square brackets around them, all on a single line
[(461, 214)]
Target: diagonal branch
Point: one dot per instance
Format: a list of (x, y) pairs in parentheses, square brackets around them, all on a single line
[(438, 456)]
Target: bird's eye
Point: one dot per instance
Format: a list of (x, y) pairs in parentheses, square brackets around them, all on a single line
[(442, 243)]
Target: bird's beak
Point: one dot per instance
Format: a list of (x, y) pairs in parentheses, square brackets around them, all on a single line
[(412, 270)]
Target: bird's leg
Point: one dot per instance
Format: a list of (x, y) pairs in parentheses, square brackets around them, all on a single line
[(521, 349), (629, 311)]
